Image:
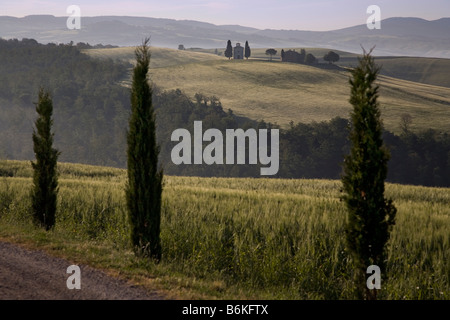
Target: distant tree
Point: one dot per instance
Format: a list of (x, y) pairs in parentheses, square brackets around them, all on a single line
[(405, 122), (303, 55), (282, 54), (310, 59), (82, 45), (229, 50), (45, 180), (216, 51), (370, 215), (181, 47), (248, 51), (271, 52), (331, 57), (144, 187)]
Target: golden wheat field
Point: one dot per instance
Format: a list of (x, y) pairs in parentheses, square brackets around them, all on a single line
[(237, 237)]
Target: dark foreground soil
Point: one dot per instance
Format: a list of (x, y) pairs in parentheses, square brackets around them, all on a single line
[(34, 275)]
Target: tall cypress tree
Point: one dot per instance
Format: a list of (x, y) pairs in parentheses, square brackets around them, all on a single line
[(248, 51), (144, 188), (229, 50), (370, 215), (45, 180)]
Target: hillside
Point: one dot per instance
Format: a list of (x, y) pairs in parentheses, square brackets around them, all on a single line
[(161, 57), (300, 93), (424, 70), (92, 100)]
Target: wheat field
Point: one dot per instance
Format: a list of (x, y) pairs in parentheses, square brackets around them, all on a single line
[(245, 238)]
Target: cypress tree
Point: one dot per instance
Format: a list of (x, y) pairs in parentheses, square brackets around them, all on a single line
[(45, 180), (144, 187), (248, 51), (229, 50), (370, 215)]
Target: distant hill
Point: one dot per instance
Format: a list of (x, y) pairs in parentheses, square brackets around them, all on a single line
[(398, 36), (281, 92)]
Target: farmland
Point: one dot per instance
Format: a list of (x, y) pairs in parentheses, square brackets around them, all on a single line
[(280, 93), (234, 238)]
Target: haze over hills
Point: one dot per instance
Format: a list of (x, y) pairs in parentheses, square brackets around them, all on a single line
[(398, 36)]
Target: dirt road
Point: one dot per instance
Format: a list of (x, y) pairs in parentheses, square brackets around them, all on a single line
[(26, 274)]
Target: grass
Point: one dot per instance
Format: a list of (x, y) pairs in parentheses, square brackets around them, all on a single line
[(432, 71), (161, 57), (228, 238), (284, 92)]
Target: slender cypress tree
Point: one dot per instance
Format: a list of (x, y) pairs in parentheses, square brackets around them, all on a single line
[(144, 188), (45, 180), (248, 51), (229, 50), (370, 215)]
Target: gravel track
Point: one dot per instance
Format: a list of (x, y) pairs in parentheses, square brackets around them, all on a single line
[(34, 275)]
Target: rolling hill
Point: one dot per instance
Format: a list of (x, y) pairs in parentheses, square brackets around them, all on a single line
[(91, 99), (284, 92)]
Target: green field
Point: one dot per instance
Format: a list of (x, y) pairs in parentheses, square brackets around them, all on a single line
[(226, 238), (283, 92)]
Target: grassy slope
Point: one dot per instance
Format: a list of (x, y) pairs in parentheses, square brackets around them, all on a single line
[(234, 238), (431, 71), (280, 93), (161, 57)]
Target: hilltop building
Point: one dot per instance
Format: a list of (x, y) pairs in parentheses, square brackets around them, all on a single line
[(293, 56), (238, 51)]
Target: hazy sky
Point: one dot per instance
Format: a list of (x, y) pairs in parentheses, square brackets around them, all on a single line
[(263, 14)]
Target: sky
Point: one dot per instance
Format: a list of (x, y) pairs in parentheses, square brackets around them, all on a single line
[(315, 15)]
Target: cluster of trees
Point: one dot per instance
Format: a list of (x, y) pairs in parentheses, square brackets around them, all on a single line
[(89, 101), (83, 45), (26, 42), (316, 150), (298, 57)]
